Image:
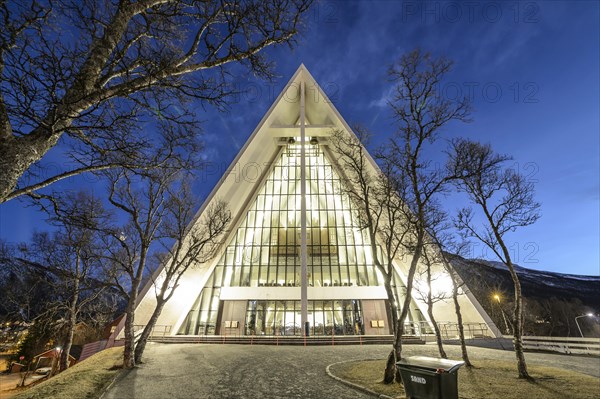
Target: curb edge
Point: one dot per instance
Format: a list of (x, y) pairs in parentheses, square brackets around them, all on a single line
[(119, 375), (353, 385)]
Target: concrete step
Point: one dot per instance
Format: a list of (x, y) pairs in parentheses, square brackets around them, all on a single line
[(286, 340)]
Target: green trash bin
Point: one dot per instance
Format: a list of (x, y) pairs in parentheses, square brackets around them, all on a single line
[(429, 377)]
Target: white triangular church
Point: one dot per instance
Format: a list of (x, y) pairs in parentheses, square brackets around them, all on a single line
[(288, 266)]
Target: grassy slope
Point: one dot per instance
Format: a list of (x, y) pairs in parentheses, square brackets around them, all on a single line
[(85, 380), (488, 380)]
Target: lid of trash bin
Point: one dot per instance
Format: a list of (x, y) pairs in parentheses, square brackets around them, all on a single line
[(433, 363)]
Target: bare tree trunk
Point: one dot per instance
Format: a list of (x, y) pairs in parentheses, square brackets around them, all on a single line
[(54, 370), (461, 328), (438, 334), (400, 333), (518, 326), (128, 350), (25, 374), (436, 329), (141, 344), (66, 350), (459, 319), (406, 305), (390, 367), (17, 154), (518, 310), (393, 304)]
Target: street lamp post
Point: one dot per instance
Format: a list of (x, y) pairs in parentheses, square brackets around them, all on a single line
[(576, 322), (497, 298)]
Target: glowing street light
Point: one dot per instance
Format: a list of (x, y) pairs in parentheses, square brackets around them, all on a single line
[(576, 322), (497, 298)]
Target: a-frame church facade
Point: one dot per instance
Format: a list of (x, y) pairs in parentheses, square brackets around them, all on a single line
[(295, 260)]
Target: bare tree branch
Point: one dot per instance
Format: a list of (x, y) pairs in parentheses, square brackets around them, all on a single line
[(132, 62)]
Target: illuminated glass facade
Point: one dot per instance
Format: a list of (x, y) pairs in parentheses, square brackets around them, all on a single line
[(264, 282), (327, 317), (265, 252)]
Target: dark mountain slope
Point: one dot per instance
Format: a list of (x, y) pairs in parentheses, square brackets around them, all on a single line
[(551, 300), (534, 283)]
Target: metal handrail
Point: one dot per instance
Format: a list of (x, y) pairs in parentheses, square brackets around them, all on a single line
[(159, 330)]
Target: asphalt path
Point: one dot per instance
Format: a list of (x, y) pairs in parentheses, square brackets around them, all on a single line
[(198, 371), (8, 383)]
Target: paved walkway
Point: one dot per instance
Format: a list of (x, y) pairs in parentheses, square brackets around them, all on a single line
[(264, 372), (8, 383)]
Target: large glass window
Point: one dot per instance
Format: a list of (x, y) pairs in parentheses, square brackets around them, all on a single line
[(202, 319), (265, 249), (342, 317)]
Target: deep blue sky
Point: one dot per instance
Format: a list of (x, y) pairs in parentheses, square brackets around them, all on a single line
[(531, 69)]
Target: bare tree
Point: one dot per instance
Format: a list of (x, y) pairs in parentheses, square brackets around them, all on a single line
[(97, 76), (25, 291), (158, 208), (421, 112), (28, 299), (141, 202), (195, 243), (407, 188), (380, 212), (505, 200), (71, 257), (429, 295)]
